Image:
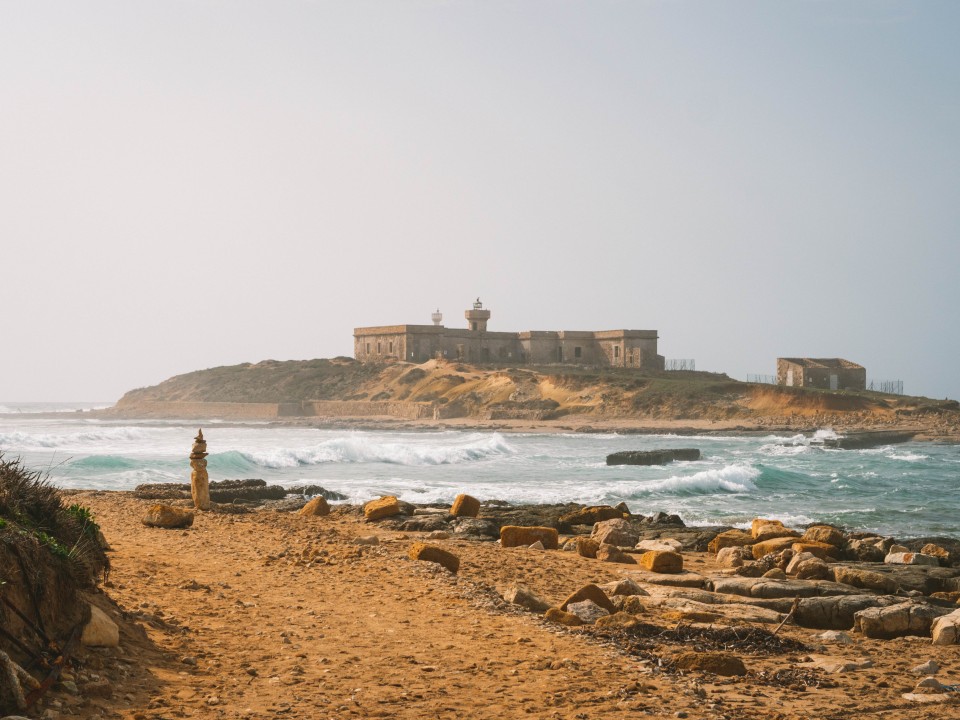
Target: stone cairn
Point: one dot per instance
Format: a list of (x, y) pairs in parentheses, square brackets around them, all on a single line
[(199, 480)]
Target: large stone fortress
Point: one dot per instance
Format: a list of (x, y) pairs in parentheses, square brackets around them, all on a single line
[(418, 343)]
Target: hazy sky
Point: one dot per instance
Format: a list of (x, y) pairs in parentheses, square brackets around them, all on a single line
[(192, 184)]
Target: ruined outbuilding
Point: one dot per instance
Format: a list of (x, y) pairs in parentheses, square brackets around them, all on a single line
[(419, 343), (825, 373)]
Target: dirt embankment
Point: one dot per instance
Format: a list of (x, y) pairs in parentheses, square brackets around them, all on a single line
[(442, 391)]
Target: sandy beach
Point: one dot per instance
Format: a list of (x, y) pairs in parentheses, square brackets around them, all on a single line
[(273, 614)]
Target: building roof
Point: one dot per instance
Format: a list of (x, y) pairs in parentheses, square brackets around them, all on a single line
[(824, 363)]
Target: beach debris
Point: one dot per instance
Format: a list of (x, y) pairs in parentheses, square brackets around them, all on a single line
[(588, 611), (662, 561), (717, 663), (434, 554), (199, 480), (100, 630), (611, 553), (317, 507), (167, 517), (519, 536), (906, 618), (589, 592), (619, 532), (465, 506), (945, 630), (652, 457), (525, 598), (383, 507)]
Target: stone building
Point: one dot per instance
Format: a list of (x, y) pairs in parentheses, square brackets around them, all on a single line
[(418, 343), (827, 373)]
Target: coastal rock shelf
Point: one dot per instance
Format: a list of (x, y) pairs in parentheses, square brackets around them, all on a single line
[(652, 457)]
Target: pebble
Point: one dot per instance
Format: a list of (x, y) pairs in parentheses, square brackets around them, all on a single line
[(927, 668)]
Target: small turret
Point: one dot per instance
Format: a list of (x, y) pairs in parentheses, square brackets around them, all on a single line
[(437, 317), (477, 318)]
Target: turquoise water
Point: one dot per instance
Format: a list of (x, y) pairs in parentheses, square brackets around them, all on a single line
[(904, 490)]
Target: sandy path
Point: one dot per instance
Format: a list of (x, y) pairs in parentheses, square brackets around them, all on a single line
[(271, 615)]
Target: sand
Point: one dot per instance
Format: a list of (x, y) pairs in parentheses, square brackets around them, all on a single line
[(274, 615)]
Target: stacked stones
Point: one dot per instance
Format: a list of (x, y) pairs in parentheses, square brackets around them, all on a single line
[(199, 480)]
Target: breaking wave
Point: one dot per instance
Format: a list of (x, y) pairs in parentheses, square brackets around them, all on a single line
[(737, 478), (78, 440)]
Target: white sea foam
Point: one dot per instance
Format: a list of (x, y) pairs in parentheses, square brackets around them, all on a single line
[(90, 439), (737, 478), (908, 456)]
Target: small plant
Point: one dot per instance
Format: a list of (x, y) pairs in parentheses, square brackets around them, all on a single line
[(55, 547), (3, 523), (84, 519)]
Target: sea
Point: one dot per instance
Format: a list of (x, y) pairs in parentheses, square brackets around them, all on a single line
[(904, 490)]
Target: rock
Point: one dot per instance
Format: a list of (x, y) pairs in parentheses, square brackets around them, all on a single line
[(562, 617), (732, 557), (590, 592), (626, 586), (820, 550), (945, 630), (476, 528), (813, 569), (662, 518), (865, 579), (620, 620), (775, 574), (795, 561), (623, 507), (772, 532), (775, 545), (943, 555), (318, 507), (587, 547), (621, 533), (100, 630), (517, 536), (716, 663), (632, 604), (835, 665), (906, 618), (758, 523), (383, 507), (587, 610), (897, 549), (664, 544), (927, 698), (367, 540), (590, 516), (97, 688), (931, 684), (662, 561), (465, 506), (910, 558), (730, 538), (611, 553), (952, 597), (538, 545), (927, 668), (825, 534), (835, 636), (682, 579), (434, 554), (691, 616), (837, 612), (524, 597), (439, 535), (865, 550), (652, 457), (168, 517)]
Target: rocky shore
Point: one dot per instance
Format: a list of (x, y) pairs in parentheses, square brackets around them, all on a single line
[(307, 609)]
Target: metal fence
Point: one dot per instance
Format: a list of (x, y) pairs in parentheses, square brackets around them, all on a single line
[(891, 387), (765, 379), (674, 364)]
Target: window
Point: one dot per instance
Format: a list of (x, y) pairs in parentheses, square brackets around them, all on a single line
[(379, 349), (368, 348), (473, 326), (616, 351), (391, 346), (578, 352)]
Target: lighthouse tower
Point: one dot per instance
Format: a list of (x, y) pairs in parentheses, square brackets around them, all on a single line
[(477, 318)]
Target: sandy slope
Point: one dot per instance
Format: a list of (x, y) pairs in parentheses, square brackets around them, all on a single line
[(287, 617)]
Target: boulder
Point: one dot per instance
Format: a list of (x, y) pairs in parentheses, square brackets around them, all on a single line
[(590, 592), (476, 528), (652, 457), (952, 596), (587, 547), (626, 586), (682, 579), (633, 604), (775, 545), (865, 579), (611, 553), (911, 558), (525, 598), (590, 516), (821, 550), (943, 555), (519, 536), (318, 507), (826, 534), (772, 531), (717, 663), (798, 558), (775, 574), (621, 533), (168, 517), (662, 561), (945, 630), (562, 617), (434, 554), (758, 523), (837, 612), (100, 630), (813, 569), (465, 506), (668, 544), (865, 549), (905, 618), (383, 507), (732, 557), (587, 610), (730, 538)]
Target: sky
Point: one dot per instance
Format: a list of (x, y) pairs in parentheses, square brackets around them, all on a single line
[(189, 184)]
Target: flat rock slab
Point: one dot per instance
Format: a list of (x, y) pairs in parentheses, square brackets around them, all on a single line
[(680, 579), (652, 457)]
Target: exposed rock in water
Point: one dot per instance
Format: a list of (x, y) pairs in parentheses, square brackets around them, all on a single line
[(864, 440), (652, 457)]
